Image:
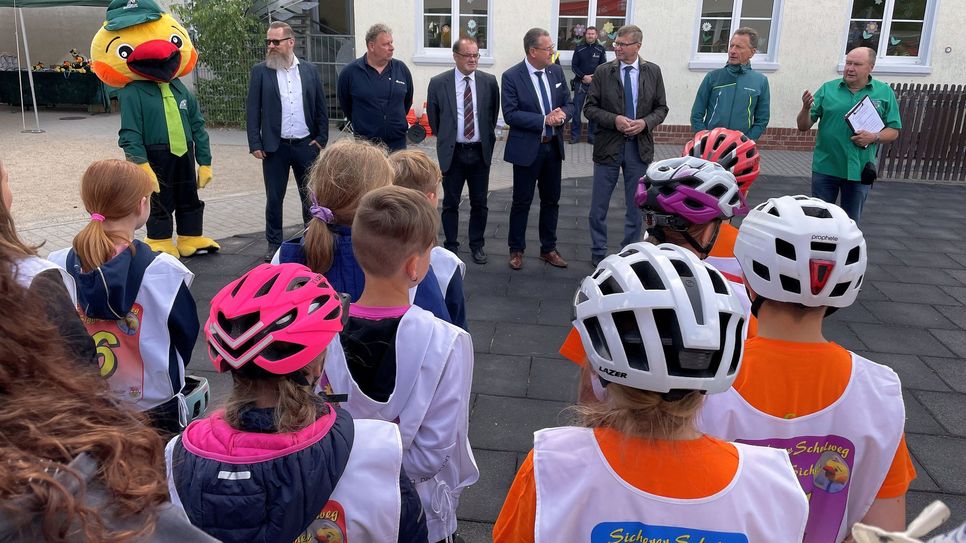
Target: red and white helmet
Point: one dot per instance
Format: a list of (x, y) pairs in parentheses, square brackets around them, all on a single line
[(802, 250), (279, 317), (656, 318), (732, 150)]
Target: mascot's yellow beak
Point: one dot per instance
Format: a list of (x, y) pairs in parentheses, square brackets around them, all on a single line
[(158, 50)]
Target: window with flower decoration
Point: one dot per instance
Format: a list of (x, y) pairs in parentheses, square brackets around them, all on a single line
[(574, 16), (717, 22), (900, 31), (444, 21)]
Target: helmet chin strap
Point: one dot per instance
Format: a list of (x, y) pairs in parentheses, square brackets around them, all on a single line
[(703, 250)]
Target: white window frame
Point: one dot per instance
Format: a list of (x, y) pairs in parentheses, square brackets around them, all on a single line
[(444, 55), (567, 56), (921, 65), (760, 62)]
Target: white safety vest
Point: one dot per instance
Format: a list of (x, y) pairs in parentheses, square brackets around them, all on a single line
[(581, 498), (354, 511), (445, 266), (31, 266), (841, 454), (434, 367)]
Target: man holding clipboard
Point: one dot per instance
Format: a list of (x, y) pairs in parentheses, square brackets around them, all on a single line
[(856, 112)]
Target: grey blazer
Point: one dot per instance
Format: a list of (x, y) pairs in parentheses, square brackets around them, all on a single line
[(605, 101), (441, 109)]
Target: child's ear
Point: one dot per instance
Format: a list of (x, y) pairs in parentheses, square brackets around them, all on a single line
[(411, 267)]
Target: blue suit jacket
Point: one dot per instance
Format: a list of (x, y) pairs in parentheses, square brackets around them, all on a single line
[(522, 111), (264, 107)]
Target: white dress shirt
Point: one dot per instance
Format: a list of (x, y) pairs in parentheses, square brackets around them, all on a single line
[(293, 110), (635, 72), (536, 87), (460, 124)]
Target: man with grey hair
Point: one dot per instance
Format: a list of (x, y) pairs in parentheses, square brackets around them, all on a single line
[(627, 101), (287, 124), (536, 104), (735, 96), (376, 91)]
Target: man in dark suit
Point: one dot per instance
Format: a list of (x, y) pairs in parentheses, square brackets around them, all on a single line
[(463, 105), (536, 104), (626, 119), (287, 124)]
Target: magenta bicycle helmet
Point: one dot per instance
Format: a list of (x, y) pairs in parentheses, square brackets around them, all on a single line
[(278, 317)]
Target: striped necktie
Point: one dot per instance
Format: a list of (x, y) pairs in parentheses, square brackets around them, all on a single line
[(469, 125)]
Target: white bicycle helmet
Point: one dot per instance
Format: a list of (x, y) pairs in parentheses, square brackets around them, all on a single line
[(656, 318), (802, 250)]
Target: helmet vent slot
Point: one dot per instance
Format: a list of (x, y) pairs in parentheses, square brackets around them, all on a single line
[(297, 283), (790, 284), (785, 249), (761, 270), (266, 287), (853, 255), (631, 340), (239, 325), (825, 247), (774, 211), (718, 191), (717, 282), (738, 344), (317, 303), (238, 286), (817, 212), (648, 276), (629, 252), (858, 282), (597, 339), (839, 289), (280, 350), (610, 286)]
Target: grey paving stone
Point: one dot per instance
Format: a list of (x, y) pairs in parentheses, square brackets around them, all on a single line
[(916, 293), (504, 308), (926, 276), (840, 333), (501, 375), (477, 283), (949, 409), (482, 501), (909, 314), (856, 312), (507, 424), (870, 294), (482, 333), (951, 370), (917, 243), (917, 501), (547, 287), (918, 419), (556, 312), (955, 340), (898, 339), (957, 292), (922, 482), (943, 458), (927, 258), (553, 379), (959, 275), (912, 371), (475, 532), (956, 314), (960, 258), (528, 339)]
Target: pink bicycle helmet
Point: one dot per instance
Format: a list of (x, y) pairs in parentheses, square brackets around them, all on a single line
[(680, 192), (279, 317), (731, 149)]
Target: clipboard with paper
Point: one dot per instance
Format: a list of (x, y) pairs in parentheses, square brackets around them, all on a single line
[(864, 116)]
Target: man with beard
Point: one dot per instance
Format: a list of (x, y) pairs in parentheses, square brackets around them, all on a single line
[(376, 91), (287, 124)]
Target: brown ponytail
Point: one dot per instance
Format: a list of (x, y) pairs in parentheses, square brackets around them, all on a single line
[(113, 189), (344, 172)]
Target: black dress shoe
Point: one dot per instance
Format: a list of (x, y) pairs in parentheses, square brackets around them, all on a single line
[(479, 256), (272, 249)]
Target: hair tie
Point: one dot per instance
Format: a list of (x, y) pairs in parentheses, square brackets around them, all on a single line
[(97, 217), (321, 213)]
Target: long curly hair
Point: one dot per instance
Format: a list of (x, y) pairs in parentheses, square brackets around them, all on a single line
[(52, 409), (10, 242)]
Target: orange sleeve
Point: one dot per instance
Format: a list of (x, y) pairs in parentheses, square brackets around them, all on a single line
[(518, 516), (901, 474), (573, 349)]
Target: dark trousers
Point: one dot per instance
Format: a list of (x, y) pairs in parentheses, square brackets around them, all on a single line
[(544, 175), (854, 193), (467, 167), (275, 166), (605, 179), (580, 93), (178, 198)]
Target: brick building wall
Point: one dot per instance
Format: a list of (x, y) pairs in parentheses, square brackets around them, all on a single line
[(780, 139)]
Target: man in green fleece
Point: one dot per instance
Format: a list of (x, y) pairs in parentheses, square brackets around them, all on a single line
[(735, 96)]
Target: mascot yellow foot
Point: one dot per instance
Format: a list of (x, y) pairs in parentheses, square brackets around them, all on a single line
[(189, 245), (162, 246)]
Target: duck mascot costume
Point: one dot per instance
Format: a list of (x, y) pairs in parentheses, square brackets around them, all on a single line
[(143, 51)]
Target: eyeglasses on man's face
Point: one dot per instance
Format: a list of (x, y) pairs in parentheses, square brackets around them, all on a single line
[(625, 44), (276, 43), (547, 49), (474, 55)]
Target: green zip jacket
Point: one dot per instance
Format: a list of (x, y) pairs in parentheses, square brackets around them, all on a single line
[(734, 97), (143, 123)]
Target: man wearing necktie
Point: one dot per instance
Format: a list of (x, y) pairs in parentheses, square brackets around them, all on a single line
[(463, 105), (536, 104), (627, 101)]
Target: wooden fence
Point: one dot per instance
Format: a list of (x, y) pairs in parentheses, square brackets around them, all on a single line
[(932, 142)]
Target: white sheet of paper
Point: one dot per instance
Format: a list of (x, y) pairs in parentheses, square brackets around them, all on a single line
[(863, 116)]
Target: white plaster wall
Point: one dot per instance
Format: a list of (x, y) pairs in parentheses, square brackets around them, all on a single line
[(811, 45)]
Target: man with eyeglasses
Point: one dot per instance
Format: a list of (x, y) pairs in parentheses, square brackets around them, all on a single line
[(463, 106), (536, 104), (376, 91), (627, 101), (287, 124)]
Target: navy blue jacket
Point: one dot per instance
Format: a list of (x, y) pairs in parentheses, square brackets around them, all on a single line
[(523, 113), (587, 57), (264, 107), (377, 103)]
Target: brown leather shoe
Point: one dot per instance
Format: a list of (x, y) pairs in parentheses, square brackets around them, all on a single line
[(554, 259), (516, 260)]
